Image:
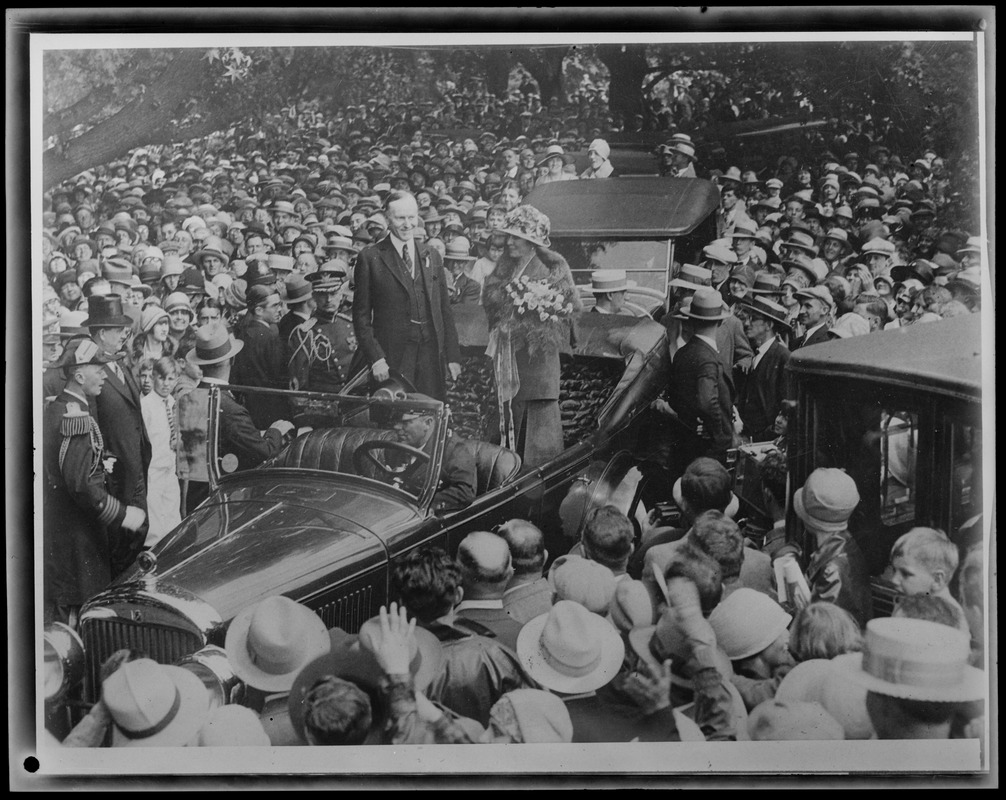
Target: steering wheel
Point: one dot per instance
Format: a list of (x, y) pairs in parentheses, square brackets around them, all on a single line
[(364, 456)]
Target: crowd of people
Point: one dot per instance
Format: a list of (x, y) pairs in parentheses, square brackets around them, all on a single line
[(326, 247)]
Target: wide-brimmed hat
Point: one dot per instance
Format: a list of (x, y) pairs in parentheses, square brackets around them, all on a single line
[(154, 705), (691, 277), (105, 311), (826, 500), (608, 280), (719, 251), (706, 306), (213, 246), (283, 206), (528, 223), (746, 622), (915, 659), (569, 649), (553, 151), (631, 607), (766, 283), (802, 241), (270, 642), (213, 345), (769, 309), (732, 175)]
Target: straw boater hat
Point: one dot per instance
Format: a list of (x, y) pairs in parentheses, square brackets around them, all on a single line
[(691, 277), (213, 345), (528, 223), (608, 280), (269, 642), (154, 705), (569, 649), (914, 659)]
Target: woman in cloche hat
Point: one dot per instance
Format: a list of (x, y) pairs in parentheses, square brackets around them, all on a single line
[(525, 343)]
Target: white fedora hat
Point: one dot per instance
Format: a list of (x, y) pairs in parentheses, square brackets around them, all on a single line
[(570, 649)]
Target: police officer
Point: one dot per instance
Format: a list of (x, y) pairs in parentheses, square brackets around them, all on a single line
[(322, 347)]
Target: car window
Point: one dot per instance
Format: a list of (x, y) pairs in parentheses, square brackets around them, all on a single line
[(644, 261)]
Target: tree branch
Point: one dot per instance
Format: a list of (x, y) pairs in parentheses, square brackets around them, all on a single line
[(57, 123), (135, 124)]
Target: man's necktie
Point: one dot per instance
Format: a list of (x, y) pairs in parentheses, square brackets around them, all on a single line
[(407, 258), (171, 423), (118, 371)]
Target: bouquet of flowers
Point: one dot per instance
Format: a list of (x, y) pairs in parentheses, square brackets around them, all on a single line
[(539, 314), (537, 298)]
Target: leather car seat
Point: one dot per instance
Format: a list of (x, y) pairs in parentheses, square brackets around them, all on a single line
[(496, 466), (330, 449)]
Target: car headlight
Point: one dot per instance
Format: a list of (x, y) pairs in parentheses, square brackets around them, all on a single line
[(63, 660), (211, 666)]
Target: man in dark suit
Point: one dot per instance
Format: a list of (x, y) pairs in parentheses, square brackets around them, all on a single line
[(816, 307), (240, 442), (120, 420), (458, 480), (264, 360), (765, 387), (401, 306), (700, 387)]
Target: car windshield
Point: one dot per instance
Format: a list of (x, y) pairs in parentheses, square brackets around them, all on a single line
[(645, 262), (387, 438)]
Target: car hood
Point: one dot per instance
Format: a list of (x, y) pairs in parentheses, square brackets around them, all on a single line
[(269, 536)]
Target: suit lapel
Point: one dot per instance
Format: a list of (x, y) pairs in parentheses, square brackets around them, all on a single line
[(393, 261), (421, 259), (122, 387)]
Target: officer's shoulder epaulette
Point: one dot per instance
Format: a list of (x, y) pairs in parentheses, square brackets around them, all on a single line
[(75, 422), (345, 317), (307, 325)]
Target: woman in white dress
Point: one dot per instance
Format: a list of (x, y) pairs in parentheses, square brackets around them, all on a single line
[(164, 499)]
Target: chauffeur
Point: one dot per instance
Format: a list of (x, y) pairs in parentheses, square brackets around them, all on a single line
[(458, 476)]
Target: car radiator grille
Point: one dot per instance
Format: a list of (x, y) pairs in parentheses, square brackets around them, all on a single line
[(350, 611), (102, 637)]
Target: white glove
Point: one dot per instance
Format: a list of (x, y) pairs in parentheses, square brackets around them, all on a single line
[(283, 426), (134, 519)]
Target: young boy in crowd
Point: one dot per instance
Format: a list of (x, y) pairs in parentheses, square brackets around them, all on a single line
[(924, 561)]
